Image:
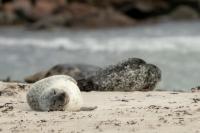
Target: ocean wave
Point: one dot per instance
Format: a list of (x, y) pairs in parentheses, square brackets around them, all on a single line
[(116, 44)]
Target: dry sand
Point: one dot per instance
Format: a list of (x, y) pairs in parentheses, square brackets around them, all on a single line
[(117, 112)]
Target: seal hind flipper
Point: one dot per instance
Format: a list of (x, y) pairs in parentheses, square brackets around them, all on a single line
[(88, 108)]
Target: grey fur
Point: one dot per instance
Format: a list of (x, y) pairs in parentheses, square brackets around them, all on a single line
[(43, 97), (56, 93), (133, 74)]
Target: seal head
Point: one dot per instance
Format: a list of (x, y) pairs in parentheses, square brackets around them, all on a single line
[(58, 99), (55, 93)]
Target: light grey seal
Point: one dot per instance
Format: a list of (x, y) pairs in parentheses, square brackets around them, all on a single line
[(56, 93)]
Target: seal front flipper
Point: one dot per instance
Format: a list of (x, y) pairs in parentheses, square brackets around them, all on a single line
[(88, 108)]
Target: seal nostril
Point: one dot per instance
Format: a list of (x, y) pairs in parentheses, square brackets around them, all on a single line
[(62, 96)]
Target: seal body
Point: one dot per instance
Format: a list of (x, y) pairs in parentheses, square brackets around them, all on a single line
[(55, 93), (133, 74)]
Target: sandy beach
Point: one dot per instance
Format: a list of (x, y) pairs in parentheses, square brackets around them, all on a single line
[(109, 47), (117, 112)]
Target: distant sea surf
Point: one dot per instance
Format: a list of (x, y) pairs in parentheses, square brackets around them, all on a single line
[(174, 47)]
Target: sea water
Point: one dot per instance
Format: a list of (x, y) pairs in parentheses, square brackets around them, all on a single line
[(173, 47)]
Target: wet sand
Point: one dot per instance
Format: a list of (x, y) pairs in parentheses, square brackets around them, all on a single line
[(117, 112)]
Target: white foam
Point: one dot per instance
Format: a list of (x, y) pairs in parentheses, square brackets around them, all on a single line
[(116, 44)]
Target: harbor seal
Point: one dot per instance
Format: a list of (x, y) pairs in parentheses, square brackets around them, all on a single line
[(77, 71), (56, 93), (133, 74)]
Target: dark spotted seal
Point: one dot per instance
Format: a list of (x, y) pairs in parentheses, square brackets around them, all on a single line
[(133, 74)]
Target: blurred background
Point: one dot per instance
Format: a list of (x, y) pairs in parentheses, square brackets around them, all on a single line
[(38, 34)]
